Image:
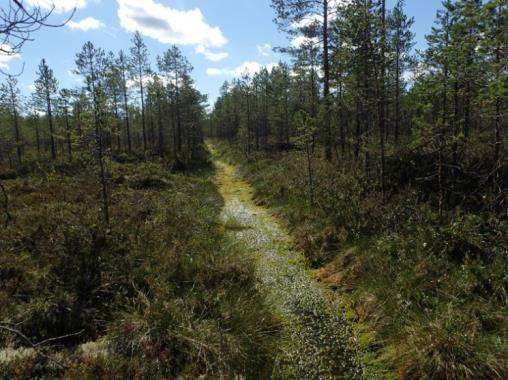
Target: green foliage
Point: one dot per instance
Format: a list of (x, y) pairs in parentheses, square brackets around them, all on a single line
[(146, 298), (432, 291)]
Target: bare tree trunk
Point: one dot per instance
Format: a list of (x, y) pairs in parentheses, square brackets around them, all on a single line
[(161, 132), (143, 122), (326, 86), (17, 132), (50, 123), (381, 98), (397, 89), (68, 132), (442, 127), (341, 121), (497, 119), (19, 150), (126, 110), (98, 139), (248, 123)]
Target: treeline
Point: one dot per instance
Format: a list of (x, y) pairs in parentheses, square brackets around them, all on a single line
[(123, 102), (123, 108), (113, 260), (365, 96), (390, 170)]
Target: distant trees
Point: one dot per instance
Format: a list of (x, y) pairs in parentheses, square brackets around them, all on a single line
[(185, 102), (139, 69), (401, 40), (123, 67), (382, 99), (306, 130), (158, 102), (91, 64), (104, 119), (311, 19), (46, 87), (10, 95), (64, 104), (493, 46)]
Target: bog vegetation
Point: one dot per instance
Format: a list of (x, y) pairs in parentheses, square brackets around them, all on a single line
[(391, 171), (113, 262), (388, 167)]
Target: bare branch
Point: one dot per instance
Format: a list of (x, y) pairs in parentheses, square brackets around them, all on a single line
[(18, 23)]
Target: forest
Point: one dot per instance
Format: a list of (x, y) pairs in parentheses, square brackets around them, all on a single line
[(340, 215)]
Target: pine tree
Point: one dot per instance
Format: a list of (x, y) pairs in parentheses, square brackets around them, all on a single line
[(64, 100), (312, 18), (46, 87), (157, 100), (401, 44), (139, 70), (438, 57), (175, 67), (493, 45), (123, 65), (91, 64), (11, 95)]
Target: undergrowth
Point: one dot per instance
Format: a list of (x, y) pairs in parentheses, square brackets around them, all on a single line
[(428, 291), (157, 294)]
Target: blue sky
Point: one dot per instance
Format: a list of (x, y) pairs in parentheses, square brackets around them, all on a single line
[(219, 37)]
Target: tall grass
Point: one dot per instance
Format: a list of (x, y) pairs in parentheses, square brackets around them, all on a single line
[(432, 290), (157, 295)]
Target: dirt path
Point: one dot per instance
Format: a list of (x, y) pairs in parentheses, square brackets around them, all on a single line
[(318, 342)]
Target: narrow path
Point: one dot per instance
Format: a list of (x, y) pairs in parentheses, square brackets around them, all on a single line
[(318, 342)]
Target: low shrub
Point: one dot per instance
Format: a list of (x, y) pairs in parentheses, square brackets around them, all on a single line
[(431, 288), (155, 295)]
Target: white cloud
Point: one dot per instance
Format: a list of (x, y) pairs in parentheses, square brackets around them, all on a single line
[(5, 58), (307, 21), (300, 41), (264, 50), (88, 23), (214, 57), (168, 25), (248, 67), (315, 19), (60, 6), (213, 72)]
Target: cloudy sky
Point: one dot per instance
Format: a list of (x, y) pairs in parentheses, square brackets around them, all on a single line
[(221, 38)]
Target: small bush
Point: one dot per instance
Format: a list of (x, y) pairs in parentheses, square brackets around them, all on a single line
[(432, 289), (156, 295)]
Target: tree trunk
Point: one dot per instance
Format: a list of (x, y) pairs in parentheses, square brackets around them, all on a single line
[(68, 132), (397, 88), (142, 108), (37, 136), (100, 153), (50, 123), (17, 132), (381, 98), (497, 118), (161, 134), (326, 85), (441, 133)]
